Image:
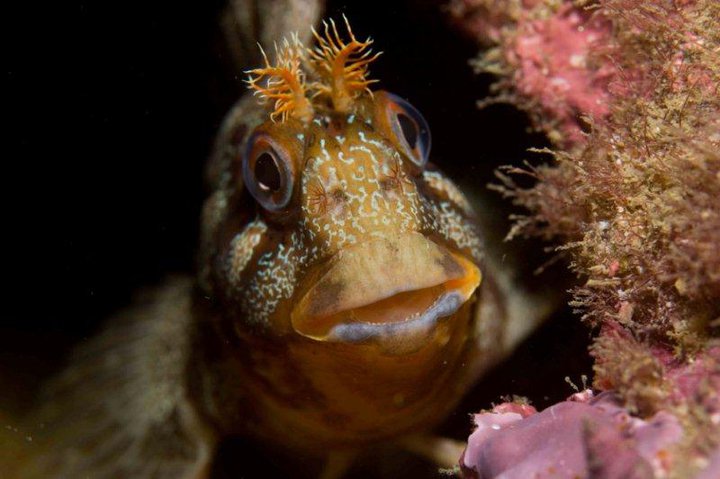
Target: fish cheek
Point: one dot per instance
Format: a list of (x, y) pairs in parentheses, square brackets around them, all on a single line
[(262, 284), (241, 251)]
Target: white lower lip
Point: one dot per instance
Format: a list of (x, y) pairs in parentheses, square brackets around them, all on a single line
[(397, 337)]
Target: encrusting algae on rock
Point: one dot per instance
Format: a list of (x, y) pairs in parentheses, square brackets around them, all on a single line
[(634, 201)]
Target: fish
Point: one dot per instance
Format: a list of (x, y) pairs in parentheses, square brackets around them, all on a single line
[(345, 296), (354, 279)]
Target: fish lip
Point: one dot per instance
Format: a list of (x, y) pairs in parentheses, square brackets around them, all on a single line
[(356, 333), (390, 291)]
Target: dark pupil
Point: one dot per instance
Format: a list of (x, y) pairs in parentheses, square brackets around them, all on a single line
[(409, 129), (267, 173)]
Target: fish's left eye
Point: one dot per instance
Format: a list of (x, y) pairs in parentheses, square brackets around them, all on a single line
[(409, 128)]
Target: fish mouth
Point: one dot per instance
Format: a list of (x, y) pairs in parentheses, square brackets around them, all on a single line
[(391, 291)]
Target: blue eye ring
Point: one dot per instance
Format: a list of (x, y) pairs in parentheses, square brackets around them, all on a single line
[(411, 128), (273, 188)]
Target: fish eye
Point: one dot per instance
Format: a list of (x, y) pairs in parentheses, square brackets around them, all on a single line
[(267, 172), (409, 128)]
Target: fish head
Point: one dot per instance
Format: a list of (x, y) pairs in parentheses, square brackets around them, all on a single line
[(355, 237)]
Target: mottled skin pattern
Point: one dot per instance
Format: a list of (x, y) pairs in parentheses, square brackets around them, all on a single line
[(354, 187)]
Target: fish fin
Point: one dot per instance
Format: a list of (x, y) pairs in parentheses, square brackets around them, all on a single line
[(525, 308), (121, 408), (523, 292)]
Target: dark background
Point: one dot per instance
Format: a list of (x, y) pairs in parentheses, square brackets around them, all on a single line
[(110, 115)]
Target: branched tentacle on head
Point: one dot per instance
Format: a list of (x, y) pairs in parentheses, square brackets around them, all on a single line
[(340, 70), (285, 82), (342, 67)]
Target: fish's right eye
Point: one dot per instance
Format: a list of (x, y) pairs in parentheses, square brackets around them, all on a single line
[(268, 172)]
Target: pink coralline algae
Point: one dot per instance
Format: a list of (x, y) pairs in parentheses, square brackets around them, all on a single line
[(583, 437), (631, 199), (552, 61), (554, 67)]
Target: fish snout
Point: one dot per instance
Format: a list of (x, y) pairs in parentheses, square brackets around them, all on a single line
[(392, 291)]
